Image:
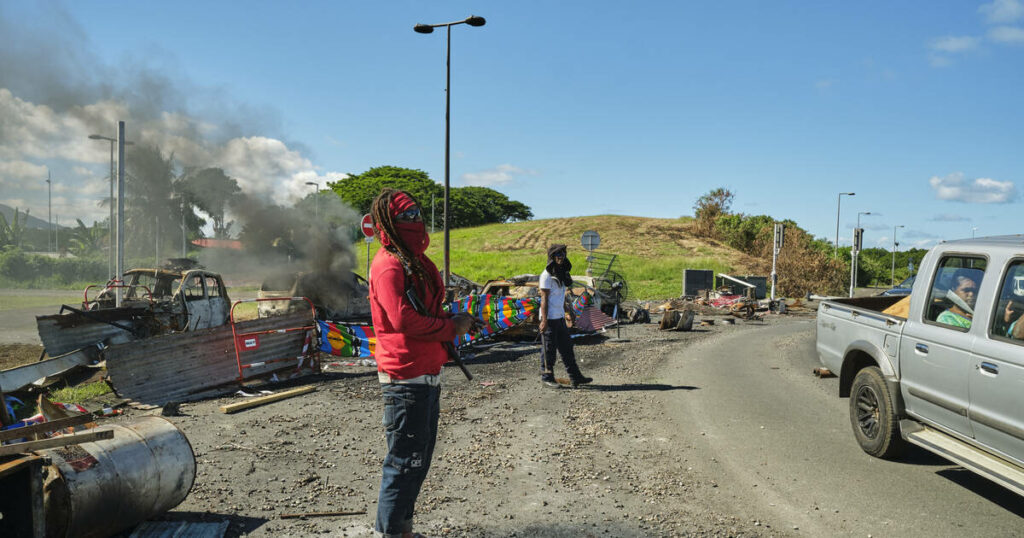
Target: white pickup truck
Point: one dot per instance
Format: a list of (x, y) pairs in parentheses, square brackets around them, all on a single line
[(945, 372)]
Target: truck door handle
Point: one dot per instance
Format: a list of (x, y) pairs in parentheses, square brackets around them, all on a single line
[(990, 368), (921, 348)]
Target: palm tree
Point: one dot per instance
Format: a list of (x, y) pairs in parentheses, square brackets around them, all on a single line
[(12, 234), (87, 241)]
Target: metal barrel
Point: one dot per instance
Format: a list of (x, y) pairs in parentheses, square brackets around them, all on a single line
[(104, 487)]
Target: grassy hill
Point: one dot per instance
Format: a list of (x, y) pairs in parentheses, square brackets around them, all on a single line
[(652, 253)]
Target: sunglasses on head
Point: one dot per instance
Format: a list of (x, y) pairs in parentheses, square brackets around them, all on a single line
[(409, 215)]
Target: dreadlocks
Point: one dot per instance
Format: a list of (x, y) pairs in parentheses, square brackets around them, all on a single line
[(380, 210)]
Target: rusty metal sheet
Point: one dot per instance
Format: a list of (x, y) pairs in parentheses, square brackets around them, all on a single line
[(178, 367)]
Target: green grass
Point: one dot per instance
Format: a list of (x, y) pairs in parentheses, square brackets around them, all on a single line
[(80, 394), (653, 267), (9, 301)]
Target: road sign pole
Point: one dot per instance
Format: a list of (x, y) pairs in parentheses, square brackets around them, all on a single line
[(366, 226)]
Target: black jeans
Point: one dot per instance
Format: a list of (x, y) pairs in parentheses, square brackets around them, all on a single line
[(410, 426), (556, 339)]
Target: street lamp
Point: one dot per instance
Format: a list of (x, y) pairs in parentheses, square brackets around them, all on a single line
[(974, 229), (839, 203), (894, 245), (110, 235), (316, 198), (472, 20), (859, 214)]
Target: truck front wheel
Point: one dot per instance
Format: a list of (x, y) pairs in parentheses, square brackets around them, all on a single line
[(873, 415)]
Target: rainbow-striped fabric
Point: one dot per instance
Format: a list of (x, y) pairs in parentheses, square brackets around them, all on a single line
[(497, 313)]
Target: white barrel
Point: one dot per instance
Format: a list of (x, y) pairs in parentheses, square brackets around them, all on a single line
[(108, 486)]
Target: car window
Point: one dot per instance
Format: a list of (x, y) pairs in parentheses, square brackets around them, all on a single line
[(213, 287), (1010, 305), (194, 288), (954, 291)]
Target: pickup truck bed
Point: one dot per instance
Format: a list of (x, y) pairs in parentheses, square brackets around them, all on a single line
[(947, 375)]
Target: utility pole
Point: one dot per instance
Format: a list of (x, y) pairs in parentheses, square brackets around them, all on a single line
[(120, 212), (780, 233)]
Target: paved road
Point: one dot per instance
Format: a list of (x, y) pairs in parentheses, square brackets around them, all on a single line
[(783, 441)]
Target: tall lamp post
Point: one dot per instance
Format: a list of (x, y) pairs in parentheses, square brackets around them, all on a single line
[(472, 20), (316, 198), (839, 203), (49, 210), (894, 245), (110, 236)]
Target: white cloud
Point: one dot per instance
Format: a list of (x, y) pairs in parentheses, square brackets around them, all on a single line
[(939, 61), (824, 84), (947, 217), (264, 166), (12, 172), (499, 175), (981, 190), (1002, 11), (954, 44), (1007, 34)]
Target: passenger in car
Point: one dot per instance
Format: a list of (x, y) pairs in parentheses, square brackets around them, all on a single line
[(1012, 315), (964, 292)]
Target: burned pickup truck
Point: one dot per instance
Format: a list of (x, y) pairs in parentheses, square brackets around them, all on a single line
[(177, 297)]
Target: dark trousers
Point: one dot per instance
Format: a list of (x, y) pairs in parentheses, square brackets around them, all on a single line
[(410, 426), (556, 339)]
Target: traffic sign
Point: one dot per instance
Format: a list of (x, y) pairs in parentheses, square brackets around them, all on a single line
[(590, 240), (366, 226)]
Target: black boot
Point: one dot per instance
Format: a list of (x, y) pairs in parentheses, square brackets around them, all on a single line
[(580, 379)]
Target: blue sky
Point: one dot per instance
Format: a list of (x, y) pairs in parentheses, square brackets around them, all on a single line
[(574, 108)]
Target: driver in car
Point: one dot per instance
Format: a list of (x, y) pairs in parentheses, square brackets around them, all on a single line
[(964, 293)]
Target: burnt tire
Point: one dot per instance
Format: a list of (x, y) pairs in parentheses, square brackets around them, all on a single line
[(873, 415)]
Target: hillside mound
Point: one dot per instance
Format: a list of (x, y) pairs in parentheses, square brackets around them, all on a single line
[(631, 236)]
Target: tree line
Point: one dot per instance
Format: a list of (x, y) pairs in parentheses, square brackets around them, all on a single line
[(470, 206)]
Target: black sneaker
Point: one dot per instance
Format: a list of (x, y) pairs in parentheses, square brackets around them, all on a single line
[(580, 380), (549, 381)]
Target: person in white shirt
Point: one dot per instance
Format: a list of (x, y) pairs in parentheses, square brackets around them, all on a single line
[(554, 332)]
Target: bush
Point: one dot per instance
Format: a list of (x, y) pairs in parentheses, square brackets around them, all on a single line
[(28, 270)]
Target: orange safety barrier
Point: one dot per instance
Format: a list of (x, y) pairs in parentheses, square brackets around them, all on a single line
[(250, 341)]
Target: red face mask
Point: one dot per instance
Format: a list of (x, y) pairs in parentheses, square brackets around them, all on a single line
[(414, 235)]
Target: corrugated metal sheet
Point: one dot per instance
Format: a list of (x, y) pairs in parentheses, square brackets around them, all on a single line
[(61, 333), (177, 367), (592, 319)]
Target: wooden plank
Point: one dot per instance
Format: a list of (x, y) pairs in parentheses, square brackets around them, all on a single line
[(231, 408), (63, 440), (322, 514), (16, 464), (46, 427)]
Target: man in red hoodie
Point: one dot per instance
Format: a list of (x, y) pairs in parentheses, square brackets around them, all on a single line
[(406, 294)]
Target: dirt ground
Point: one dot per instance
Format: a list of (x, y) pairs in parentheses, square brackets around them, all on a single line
[(514, 458)]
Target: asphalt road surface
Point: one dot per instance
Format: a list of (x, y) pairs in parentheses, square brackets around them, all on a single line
[(783, 441)]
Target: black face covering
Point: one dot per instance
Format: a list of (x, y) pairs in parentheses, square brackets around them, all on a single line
[(559, 271)]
